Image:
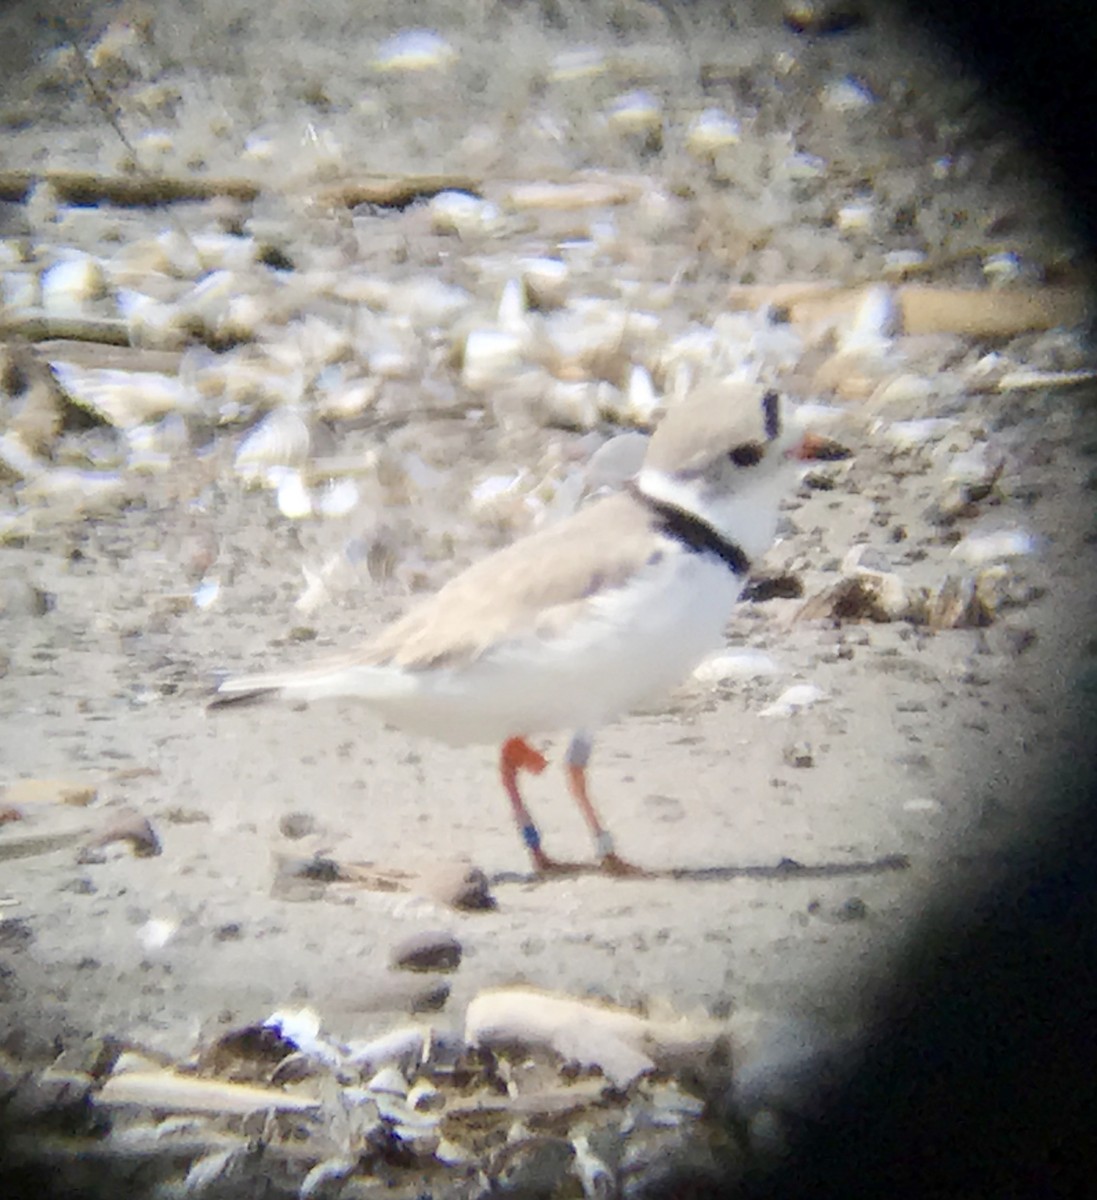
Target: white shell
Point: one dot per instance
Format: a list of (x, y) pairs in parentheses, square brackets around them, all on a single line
[(909, 435), (293, 497), (401, 1046), (977, 549), (243, 379), (70, 284), (260, 148), (904, 390), (343, 400), (801, 165), (590, 328), (512, 315), (491, 355), (422, 1142), (311, 342), (712, 130), (462, 214), (579, 404), (152, 322), (735, 664), (497, 492), (449, 1154), (302, 1028), (635, 112), (156, 933), (125, 399), (225, 251), (340, 498), (899, 263), (206, 593), (597, 1179), (1002, 268), (847, 95), (12, 254), (388, 1082), (17, 458), (794, 699), (204, 1172), (425, 1097), (546, 280), (979, 465), (855, 218), (19, 289), (414, 50), (642, 402), (281, 439), (874, 324), (580, 63), (152, 447), (428, 302), (82, 489), (391, 361), (331, 1170)]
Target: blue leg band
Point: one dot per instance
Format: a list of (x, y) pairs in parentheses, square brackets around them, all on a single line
[(531, 837)]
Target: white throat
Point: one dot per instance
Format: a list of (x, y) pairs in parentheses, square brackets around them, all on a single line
[(748, 519)]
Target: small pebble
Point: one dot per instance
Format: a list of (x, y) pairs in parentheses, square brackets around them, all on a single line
[(297, 825), (460, 886), (851, 909), (794, 699), (799, 754), (430, 950), (388, 1082), (430, 999)]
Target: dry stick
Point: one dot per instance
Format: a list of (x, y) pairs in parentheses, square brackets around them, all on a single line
[(144, 190), (95, 352), (147, 190), (924, 308), (393, 191), (39, 326), (110, 110)]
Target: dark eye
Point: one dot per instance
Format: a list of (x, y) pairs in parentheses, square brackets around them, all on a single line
[(771, 415), (749, 454)]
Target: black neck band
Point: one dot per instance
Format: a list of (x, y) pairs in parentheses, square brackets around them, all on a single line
[(695, 534)]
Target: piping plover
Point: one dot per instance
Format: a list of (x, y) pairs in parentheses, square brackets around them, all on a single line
[(571, 626)]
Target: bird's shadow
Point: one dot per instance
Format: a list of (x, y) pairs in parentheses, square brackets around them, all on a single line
[(785, 869)]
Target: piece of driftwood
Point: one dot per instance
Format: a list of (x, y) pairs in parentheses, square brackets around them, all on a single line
[(623, 1045), (145, 190), (14, 843), (38, 326), (925, 308), (129, 191), (76, 792), (1037, 381), (109, 356), (455, 884), (986, 313), (170, 1092), (576, 194), (396, 191)]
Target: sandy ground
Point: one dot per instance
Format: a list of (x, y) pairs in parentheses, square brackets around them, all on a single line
[(909, 751)]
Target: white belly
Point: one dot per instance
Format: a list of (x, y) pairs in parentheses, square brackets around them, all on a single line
[(636, 642)]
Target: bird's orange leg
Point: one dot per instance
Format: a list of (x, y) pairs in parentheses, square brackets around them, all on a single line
[(518, 755), (577, 758)]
